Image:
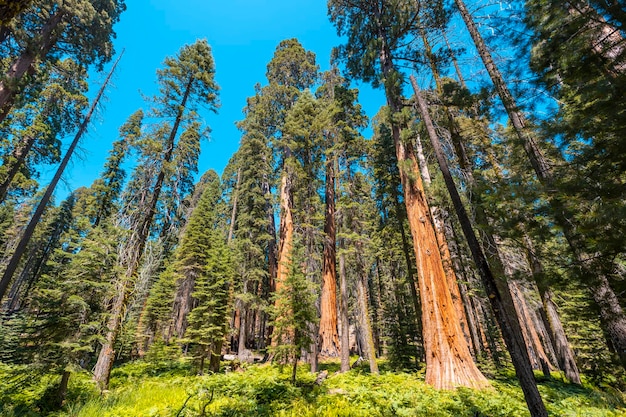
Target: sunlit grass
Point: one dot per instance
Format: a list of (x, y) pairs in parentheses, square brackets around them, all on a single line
[(138, 389)]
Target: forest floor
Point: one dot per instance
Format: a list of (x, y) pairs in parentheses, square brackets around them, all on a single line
[(171, 389)]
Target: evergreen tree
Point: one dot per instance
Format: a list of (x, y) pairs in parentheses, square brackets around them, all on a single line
[(294, 313), (205, 259), (33, 132), (588, 256), (82, 30), (186, 82), (385, 26)]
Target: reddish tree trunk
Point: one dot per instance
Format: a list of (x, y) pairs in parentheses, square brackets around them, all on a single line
[(509, 326), (329, 336)]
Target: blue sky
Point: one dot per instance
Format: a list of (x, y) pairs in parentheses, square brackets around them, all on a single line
[(243, 35)]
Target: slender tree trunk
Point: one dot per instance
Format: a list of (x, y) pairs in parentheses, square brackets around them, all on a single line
[(136, 246), (314, 348), (30, 228), (294, 369), (564, 353), (271, 230), (612, 315), (343, 310), (201, 367), (62, 391), (233, 215), (242, 350), (215, 355), (538, 356), (366, 321), (509, 324), (10, 84), (329, 336), (14, 163)]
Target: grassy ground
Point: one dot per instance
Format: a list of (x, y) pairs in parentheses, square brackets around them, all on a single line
[(144, 389)]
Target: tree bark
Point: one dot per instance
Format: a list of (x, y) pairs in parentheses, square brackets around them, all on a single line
[(536, 353), (343, 311), (62, 391), (612, 315), (285, 245), (448, 361), (329, 336), (509, 324), (233, 216), (366, 321), (438, 223)]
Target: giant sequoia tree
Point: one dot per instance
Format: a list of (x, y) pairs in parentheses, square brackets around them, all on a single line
[(291, 70), (376, 31)]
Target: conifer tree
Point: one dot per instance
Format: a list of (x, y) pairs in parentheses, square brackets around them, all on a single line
[(293, 314), (385, 26), (203, 263), (82, 30), (588, 256), (28, 232), (35, 129), (186, 82), (291, 70)]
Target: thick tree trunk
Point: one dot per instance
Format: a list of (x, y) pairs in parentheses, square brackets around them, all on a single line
[(406, 250), (329, 336), (612, 315), (509, 325), (286, 231), (438, 223), (448, 361), (285, 245), (466, 299)]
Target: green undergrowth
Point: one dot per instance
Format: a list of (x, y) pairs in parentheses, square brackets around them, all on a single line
[(143, 389)]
